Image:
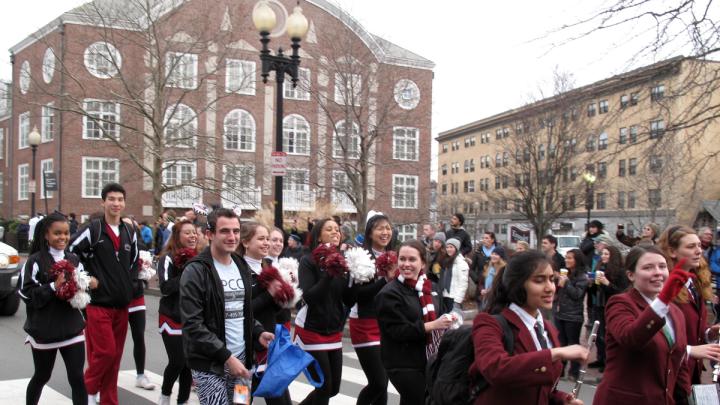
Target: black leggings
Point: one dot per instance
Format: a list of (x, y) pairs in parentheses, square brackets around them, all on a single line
[(176, 368), (569, 334), (137, 330), (599, 315), (44, 360), (375, 393), (331, 365), (410, 384)]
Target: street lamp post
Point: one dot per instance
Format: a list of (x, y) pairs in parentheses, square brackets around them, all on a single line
[(589, 179), (297, 25), (34, 140)]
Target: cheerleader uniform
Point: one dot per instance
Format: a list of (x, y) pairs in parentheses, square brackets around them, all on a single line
[(52, 325), (170, 328), (319, 324), (365, 337)]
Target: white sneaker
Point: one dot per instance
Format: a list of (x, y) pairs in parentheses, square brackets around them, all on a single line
[(164, 400), (142, 382)]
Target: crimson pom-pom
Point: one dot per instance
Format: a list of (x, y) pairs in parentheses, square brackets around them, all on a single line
[(270, 274), (69, 288), (385, 263), (183, 256), (330, 260)]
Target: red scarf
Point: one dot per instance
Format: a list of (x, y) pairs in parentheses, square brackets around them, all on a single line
[(424, 288)]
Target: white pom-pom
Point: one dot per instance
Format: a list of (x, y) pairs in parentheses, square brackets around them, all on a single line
[(288, 268), (82, 279), (361, 265), (80, 300), (81, 297), (296, 298)]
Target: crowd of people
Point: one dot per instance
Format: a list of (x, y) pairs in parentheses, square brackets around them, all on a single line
[(223, 295)]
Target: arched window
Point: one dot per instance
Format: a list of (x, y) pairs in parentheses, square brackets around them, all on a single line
[(239, 131), (102, 60), (498, 159), (181, 126), (346, 142), (296, 135)]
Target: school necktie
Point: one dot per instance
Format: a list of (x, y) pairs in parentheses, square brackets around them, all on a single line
[(668, 336), (540, 335)]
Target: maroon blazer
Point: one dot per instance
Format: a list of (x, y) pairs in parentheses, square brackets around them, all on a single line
[(527, 377), (641, 368), (696, 323)]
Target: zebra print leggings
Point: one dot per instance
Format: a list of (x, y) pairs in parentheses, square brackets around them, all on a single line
[(213, 389)]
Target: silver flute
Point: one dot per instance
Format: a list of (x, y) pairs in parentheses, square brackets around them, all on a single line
[(590, 343), (716, 369)]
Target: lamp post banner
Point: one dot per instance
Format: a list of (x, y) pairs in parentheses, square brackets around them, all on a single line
[(50, 180)]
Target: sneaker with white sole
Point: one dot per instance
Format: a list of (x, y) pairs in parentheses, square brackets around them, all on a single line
[(142, 382), (164, 400)]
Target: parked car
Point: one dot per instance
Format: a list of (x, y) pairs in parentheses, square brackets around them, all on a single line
[(567, 243), (9, 275)]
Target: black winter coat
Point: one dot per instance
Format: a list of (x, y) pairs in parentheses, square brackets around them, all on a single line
[(569, 302), (169, 277), (202, 308), (327, 298)]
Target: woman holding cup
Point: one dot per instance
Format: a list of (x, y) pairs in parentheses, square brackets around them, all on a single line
[(568, 306)]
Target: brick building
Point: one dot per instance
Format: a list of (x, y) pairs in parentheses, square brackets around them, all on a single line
[(649, 136), (171, 99)]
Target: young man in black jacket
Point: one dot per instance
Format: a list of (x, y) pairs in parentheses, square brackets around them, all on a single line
[(458, 232), (216, 309), (108, 250)]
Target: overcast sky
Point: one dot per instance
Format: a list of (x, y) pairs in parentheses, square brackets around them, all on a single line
[(488, 56)]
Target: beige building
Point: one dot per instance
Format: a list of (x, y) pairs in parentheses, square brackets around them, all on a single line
[(649, 137)]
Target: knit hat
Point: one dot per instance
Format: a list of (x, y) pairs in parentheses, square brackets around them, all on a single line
[(602, 238), (296, 238), (440, 236), (597, 224), (454, 242)]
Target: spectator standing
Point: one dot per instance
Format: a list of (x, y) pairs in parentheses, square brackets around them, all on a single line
[(455, 278), (146, 235), (23, 235), (294, 247), (549, 248), (219, 331), (108, 251), (587, 245), (72, 221), (458, 232), (33, 223), (649, 235), (436, 257), (492, 269), (480, 258), (428, 235), (568, 307)]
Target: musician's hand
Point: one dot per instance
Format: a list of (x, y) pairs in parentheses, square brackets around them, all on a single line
[(572, 401), (713, 333), (710, 351), (570, 353)]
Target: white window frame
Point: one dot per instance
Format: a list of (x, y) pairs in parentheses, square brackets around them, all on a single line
[(296, 129), (346, 83), (242, 125), (406, 143), (111, 175), (103, 118), (399, 201), (176, 169), (47, 126), (23, 130), (181, 69), (2, 143), (23, 182), (243, 179), (407, 232), (302, 90), (102, 60), (48, 65), (240, 76), (24, 79), (292, 174), (181, 127), (43, 164), (352, 148)]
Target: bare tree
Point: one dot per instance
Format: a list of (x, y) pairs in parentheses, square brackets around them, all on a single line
[(160, 89)]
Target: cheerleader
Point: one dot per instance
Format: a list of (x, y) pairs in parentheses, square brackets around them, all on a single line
[(364, 330), (53, 323), (181, 247), (646, 340), (528, 376), (680, 243), (319, 324), (268, 289), (410, 329)]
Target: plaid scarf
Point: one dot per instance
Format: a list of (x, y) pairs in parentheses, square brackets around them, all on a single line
[(423, 286)]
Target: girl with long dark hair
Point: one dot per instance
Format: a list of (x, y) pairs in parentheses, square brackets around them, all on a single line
[(319, 323), (52, 324), (181, 247), (610, 279), (529, 376), (410, 329), (364, 329), (568, 309)]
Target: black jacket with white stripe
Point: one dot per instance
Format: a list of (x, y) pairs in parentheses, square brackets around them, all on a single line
[(49, 318), (169, 277), (116, 272)]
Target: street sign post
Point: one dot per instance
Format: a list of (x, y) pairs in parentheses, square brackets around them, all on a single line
[(278, 164)]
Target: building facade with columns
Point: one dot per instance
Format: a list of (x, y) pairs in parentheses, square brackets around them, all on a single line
[(171, 98)]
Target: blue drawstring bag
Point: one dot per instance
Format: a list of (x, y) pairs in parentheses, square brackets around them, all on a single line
[(285, 362)]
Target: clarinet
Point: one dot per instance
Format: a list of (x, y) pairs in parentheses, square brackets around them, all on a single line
[(590, 344)]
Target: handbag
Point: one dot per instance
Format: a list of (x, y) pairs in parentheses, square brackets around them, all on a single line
[(285, 362)]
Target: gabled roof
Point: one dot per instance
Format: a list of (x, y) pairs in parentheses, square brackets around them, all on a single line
[(121, 14)]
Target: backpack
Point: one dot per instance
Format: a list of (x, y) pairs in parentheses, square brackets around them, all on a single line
[(95, 227), (447, 374)]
